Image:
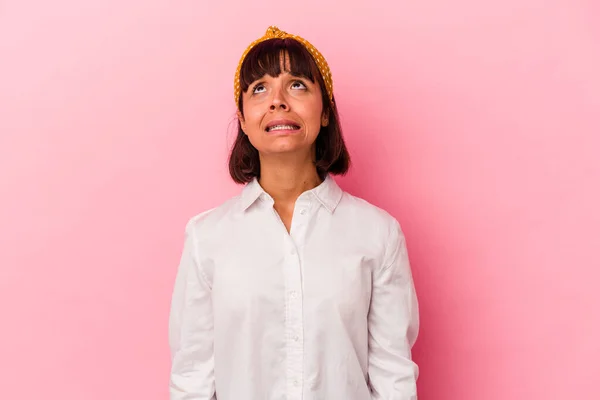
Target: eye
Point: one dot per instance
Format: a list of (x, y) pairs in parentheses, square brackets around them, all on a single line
[(298, 85), (259, 88)]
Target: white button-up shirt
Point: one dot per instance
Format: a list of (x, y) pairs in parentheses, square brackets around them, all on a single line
[(327, 311)]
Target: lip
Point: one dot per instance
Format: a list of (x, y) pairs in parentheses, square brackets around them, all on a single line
[(282, 122)]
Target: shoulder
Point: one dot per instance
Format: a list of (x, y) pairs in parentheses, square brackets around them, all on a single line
[(373, 226), (379, 226), (368, 215), (211, 221)]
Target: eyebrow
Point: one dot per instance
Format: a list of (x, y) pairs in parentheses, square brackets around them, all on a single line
[(297, 75), (261, 80)]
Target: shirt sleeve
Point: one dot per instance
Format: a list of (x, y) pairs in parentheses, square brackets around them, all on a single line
[(393, 325), (191, 329)]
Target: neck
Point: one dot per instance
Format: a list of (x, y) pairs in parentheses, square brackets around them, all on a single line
[(286, 179)]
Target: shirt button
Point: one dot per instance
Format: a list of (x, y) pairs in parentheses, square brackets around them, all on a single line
[(296, 383), (293, 295), (303, 212), (296, 338)]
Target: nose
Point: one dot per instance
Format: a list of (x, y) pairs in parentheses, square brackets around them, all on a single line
[(279, 101)]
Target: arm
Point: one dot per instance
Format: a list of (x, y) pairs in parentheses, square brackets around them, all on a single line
[(191, 329), (393, 325)]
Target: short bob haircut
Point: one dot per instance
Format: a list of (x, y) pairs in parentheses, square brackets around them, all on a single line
[(331, 153)]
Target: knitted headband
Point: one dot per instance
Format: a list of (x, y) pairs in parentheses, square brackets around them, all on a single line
[(274, 33)]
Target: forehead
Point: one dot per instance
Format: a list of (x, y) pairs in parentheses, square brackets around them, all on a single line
[(285, 68), (274, 57)]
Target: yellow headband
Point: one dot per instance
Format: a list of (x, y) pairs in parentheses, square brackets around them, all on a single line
[(274, 33)]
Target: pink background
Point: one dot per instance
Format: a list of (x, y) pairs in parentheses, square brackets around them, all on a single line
[(475, 123)]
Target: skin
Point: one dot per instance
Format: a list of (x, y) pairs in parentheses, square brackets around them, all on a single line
[(286, 157)]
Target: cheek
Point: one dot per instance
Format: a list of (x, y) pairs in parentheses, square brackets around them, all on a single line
[(252, 119), (314, 116), (253, 128)]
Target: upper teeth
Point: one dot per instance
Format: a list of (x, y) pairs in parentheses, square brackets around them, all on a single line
[(282, 127)]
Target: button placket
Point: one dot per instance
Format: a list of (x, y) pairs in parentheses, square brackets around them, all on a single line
[(294, 322)]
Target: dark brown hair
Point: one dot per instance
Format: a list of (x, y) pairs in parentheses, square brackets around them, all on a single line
[(265, 58)]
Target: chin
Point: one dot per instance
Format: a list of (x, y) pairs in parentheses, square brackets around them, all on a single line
[(282, 148)]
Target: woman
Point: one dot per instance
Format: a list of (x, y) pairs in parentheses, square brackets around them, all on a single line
[(294, 289)]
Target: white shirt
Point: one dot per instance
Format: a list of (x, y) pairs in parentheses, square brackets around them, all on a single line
[(326, 312)]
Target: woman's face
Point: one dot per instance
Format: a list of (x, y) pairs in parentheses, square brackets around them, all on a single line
[(282, 114)]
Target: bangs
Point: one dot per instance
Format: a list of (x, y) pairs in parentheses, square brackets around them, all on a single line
[(265, 59)]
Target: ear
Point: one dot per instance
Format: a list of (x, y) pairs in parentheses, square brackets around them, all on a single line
[(240, 117), (325, 118)]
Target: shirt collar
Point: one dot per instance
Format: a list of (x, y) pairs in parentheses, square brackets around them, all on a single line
[(327, 193)]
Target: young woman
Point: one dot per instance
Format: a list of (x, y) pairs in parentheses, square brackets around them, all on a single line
[(294, 289)]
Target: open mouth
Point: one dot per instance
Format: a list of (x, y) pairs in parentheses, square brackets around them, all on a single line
[(276, 128)]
